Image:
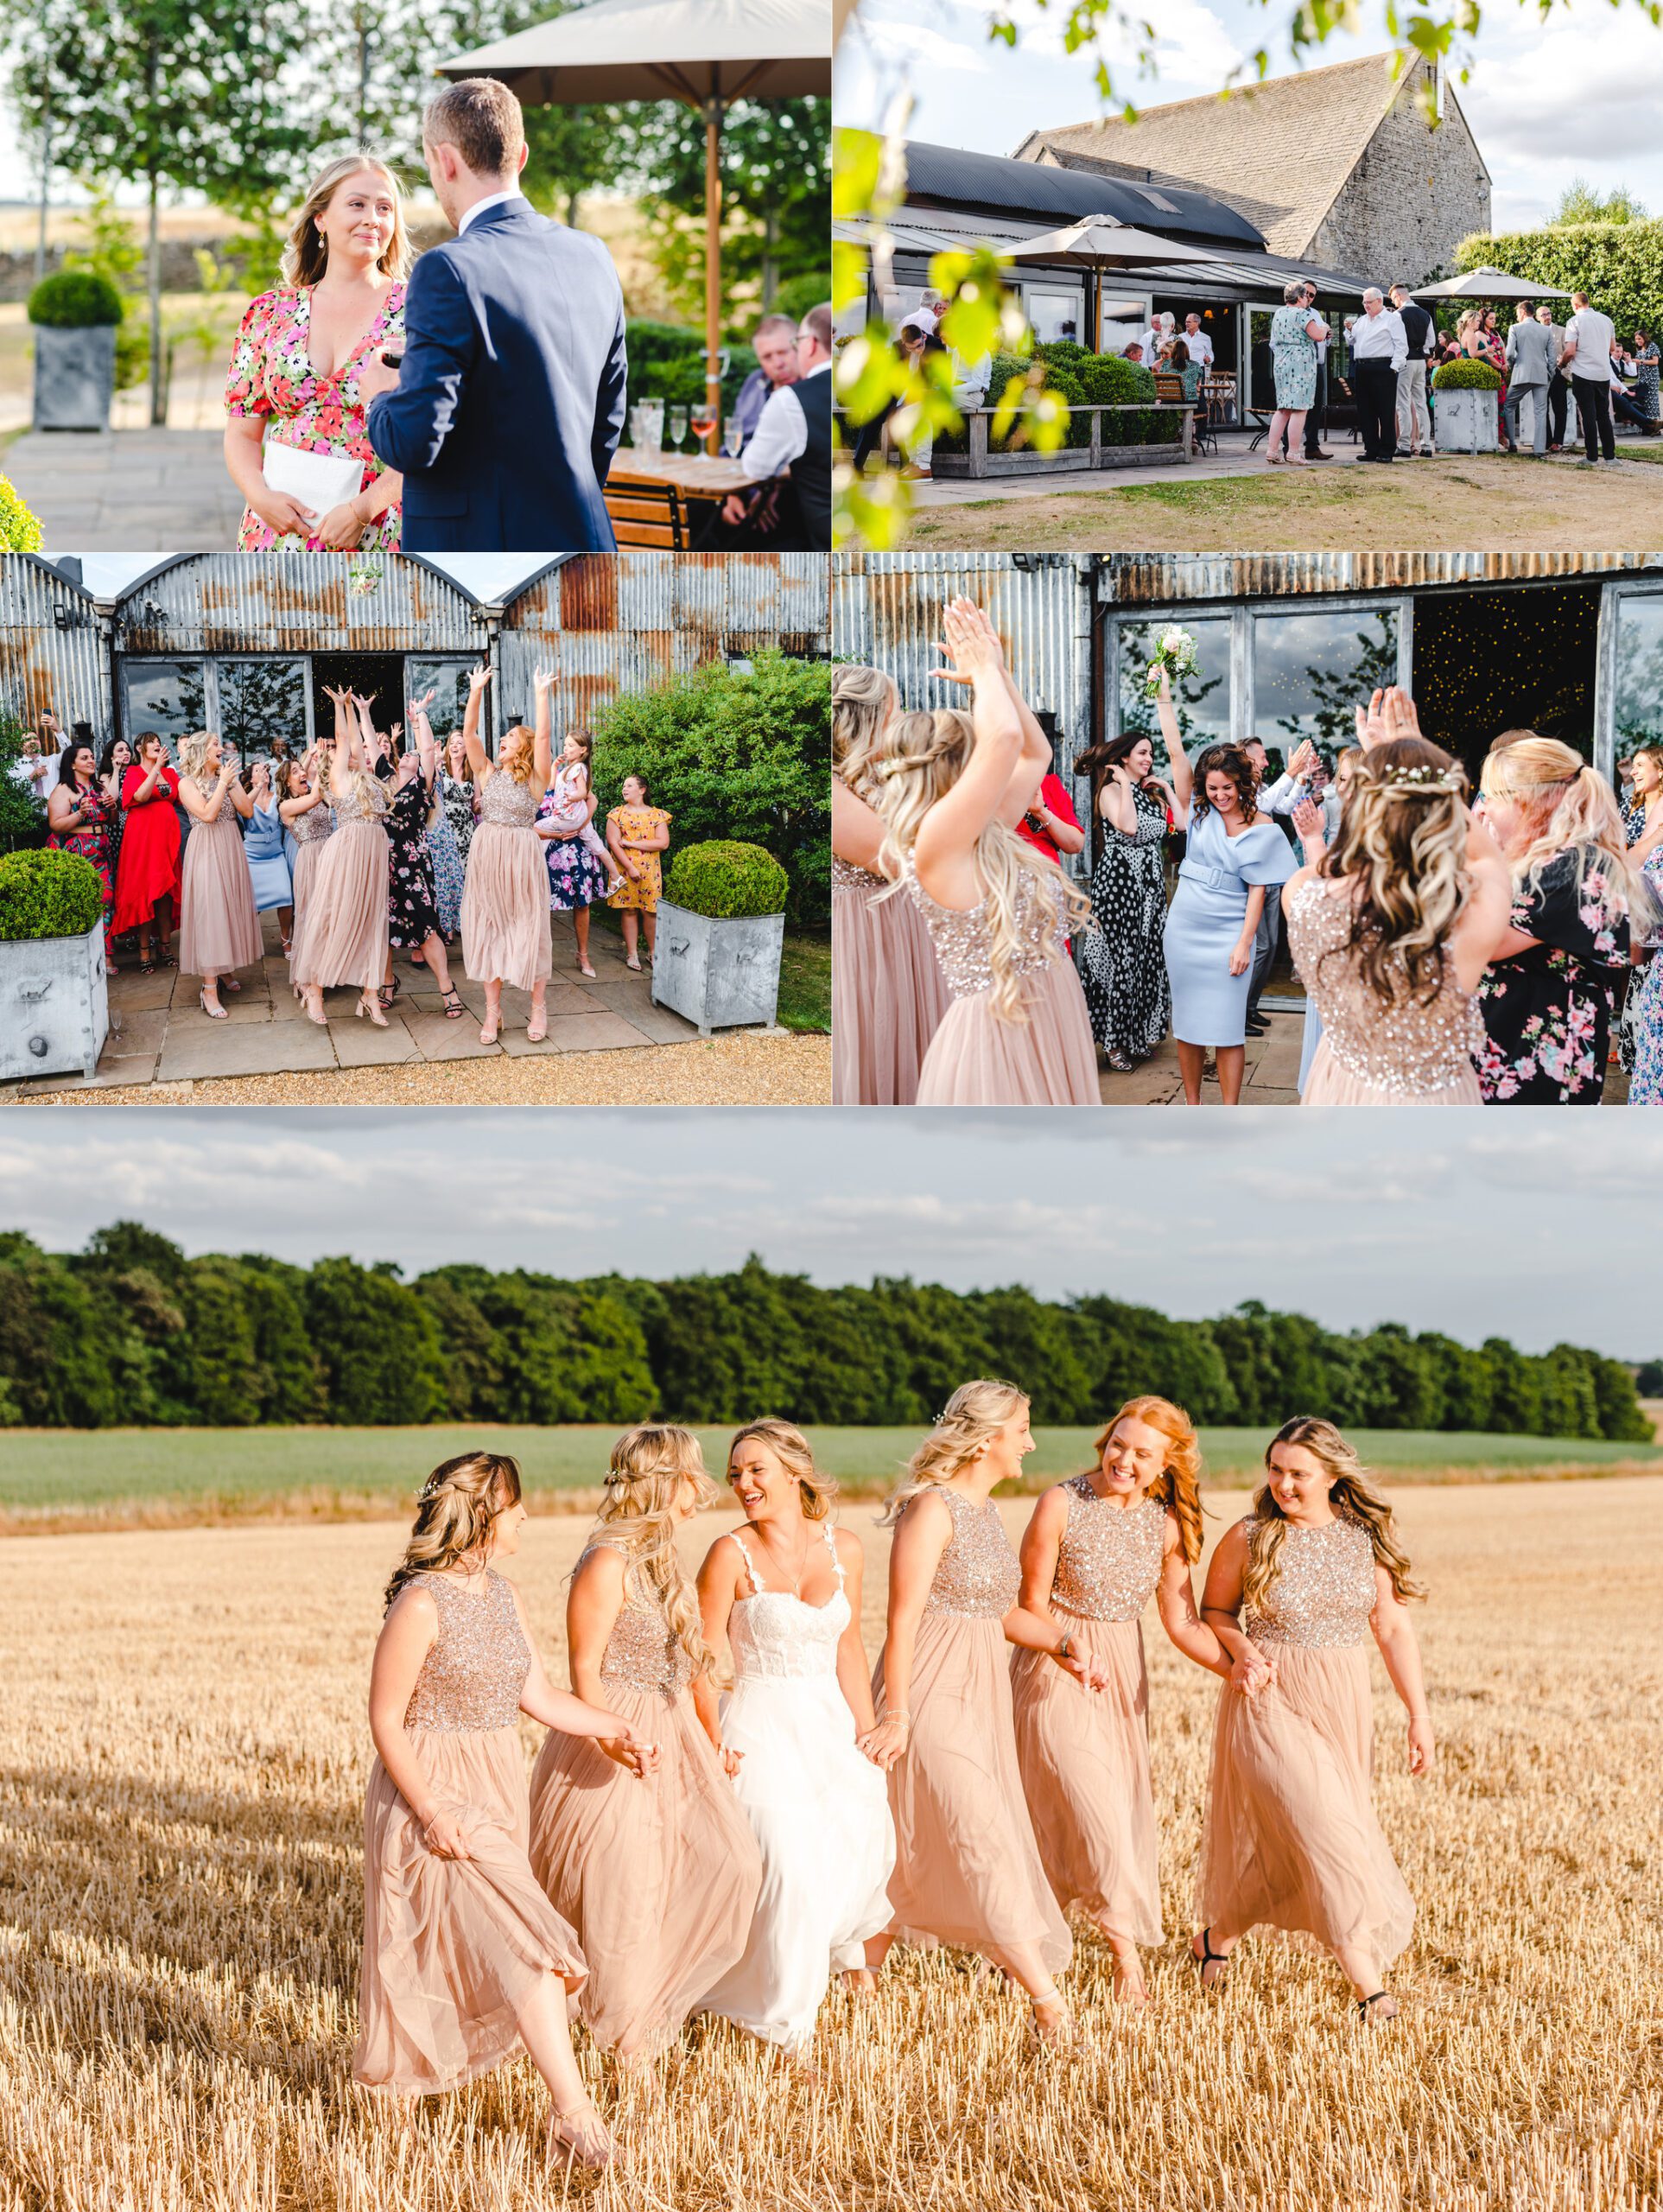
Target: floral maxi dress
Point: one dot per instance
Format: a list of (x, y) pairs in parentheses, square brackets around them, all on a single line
[(1547, 1010), (412, 906)]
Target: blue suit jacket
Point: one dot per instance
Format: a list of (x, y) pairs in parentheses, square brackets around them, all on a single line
[(512, 395)]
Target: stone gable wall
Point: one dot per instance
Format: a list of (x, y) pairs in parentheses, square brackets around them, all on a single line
[(1415, 194)]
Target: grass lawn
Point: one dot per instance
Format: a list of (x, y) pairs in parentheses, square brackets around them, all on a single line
[(119, 1477)]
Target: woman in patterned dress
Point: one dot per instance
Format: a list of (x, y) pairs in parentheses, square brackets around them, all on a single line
[(450, 827), (577, 880), (1291, 1840), (78, 814), (638, 834), (1123, 963), (293, 376), (412, 903), (968, 1869), (1646, 359), (1642, 828), (1296, 331), (1096, 1550), (1643, 1014), (465, 1960)]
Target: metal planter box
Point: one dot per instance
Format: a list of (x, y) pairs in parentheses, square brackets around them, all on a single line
[(55, 1007), (74, 377), (721, 975), (1465, 421)]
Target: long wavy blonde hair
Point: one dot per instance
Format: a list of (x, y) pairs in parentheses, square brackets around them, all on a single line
[(1349, 1495), (651, 1464), (1178, 1485), (794, 1451), (863, 701), (968, 1422), (921, 757), (1402, 844), (304, 260), (453, 1513), (194, 758), (1565, 806)]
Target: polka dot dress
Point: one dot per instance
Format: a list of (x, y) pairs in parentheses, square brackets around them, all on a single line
[(1123, 964)]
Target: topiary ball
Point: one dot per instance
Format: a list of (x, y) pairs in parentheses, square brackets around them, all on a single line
[(724, 879), (1466, 376), (74, 299), (49, 894)]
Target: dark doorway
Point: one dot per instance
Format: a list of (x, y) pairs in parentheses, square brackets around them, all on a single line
[(1218, 320), (377, 676), (1489, 661)]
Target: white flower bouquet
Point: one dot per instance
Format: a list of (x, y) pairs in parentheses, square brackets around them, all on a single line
[(364, 576), (1176, 653)]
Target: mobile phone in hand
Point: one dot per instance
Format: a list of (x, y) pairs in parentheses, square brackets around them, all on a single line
[(392, 360)]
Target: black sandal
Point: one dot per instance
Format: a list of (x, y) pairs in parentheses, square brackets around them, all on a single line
[(1209, 1957), (388, 993), (453, 1007), (1363, 2004)]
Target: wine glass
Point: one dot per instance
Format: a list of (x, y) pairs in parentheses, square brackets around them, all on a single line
[(704, 422), (675, 426), (733, 439)]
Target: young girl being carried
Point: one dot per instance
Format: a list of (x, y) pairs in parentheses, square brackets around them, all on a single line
[(571, 813)]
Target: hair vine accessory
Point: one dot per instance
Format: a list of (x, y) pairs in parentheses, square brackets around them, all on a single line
[(1421, 778), (430, 1489)]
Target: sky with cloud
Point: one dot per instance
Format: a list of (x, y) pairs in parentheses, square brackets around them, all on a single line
[(1546, 102), (1472, 1222)]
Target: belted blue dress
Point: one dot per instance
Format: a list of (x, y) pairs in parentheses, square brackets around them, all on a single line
[(1209, 1005)]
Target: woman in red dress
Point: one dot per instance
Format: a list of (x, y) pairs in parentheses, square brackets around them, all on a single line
[(147, 880), (78, 815)]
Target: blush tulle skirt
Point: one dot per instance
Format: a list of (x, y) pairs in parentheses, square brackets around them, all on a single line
[(888, 997), (1050, 1059)]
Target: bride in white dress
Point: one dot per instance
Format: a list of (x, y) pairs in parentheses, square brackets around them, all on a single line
[(785, 1591)]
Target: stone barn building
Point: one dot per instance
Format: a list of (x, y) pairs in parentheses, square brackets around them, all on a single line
[(1336, 165)]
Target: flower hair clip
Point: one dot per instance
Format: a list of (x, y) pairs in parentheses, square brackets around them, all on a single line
[(1421, 778)]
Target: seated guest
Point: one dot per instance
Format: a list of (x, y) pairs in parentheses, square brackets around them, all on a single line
[(753, 515), (1178, 364), (1134, 353), (1623, 406), (794, 433)]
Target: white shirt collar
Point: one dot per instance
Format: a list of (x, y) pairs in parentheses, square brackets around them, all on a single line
[(815, 371), (495, 200)]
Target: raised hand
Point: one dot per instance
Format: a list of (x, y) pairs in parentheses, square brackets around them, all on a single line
[(478, 679), (1401, 717), (420, 706), (1308, 820), (545, 680), (1371, 722)]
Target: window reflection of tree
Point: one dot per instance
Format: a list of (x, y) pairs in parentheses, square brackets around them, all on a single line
[(1336, 691), (1139, 715), (1639, 690), (260, 700), (170, 697)]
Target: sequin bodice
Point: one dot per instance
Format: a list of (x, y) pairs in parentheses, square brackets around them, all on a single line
[(364, 799), (314, 825), (511, 805), (642, 1652), (1407, 1048), (778, 1634), (1109, 1559), (477, 1665), (1323, 1591), (859, 880), (978, 1571), (962, 940)]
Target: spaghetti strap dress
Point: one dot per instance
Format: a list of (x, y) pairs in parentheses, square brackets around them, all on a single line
[(343, 939), (218, 922)]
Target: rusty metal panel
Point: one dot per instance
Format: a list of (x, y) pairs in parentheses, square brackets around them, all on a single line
[(1170, 579), (53, 650), (287, 601)]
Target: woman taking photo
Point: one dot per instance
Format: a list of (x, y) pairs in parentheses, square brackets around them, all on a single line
[(659, 1884), (951, 786), (341, 935), (79, 815), (147, 881), (1547, 995), (505, 936), (888, 993), (1291, 1840), (968, 1870), (219, 925), (465, 1960), (1123, 960), (1235, 854), (293, 383)]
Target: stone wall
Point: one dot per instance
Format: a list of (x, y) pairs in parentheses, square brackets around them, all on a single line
[(179, 270), (1415, 194)]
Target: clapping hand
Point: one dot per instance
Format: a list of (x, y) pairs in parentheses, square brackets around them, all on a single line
[(1306, 759), (1389, 715)]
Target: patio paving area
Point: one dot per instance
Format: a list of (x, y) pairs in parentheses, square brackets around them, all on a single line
[(126, 491)]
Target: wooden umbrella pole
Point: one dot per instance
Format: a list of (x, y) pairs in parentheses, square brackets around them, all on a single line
[(712, 206)]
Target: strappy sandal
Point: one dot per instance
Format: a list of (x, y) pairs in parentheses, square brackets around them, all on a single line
[(453, 1007), (1206, 1956), (1379, 1996), (370, 1004), (388, 992), (213, 1013), (536, 1029), (580, 2138)]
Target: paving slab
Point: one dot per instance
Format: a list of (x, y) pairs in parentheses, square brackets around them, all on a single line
[(659, 1025), (599, 1032), (361, 1045), (138, 992), (141, 1031), (435, 1039), (219, 1048)]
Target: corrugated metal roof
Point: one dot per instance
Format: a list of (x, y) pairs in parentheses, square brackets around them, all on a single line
[(1245, 276), (1162, 579), (951, 173), (53, 652), (295, 602)]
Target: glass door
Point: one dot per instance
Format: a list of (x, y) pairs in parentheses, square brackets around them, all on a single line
[(261, 707), (169, 698), (448, 679)]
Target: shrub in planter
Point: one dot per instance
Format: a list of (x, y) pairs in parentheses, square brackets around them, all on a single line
[(76, 314), (1105, 379), (20, 529), (48, 894), (725, 879), (1466, 376), (74, 299)]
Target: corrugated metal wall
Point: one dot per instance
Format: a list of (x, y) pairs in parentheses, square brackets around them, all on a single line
[(295, 602), (54, 652), (1165, 579)]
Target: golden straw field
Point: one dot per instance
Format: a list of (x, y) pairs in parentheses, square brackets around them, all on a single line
[(182, 1755)]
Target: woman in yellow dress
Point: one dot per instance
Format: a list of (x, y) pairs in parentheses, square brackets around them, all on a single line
[(636, 834)]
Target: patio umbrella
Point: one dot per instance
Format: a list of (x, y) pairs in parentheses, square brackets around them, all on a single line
[(1105, 242), (705, 52), (1487, 284)]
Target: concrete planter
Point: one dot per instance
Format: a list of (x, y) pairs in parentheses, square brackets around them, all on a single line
[(55, 1007), (1465, 421), (721, 975), (74, 377)]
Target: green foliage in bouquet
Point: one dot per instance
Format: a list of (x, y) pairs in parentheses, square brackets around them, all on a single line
[(48, 894), (1467, 376), (724, 878)]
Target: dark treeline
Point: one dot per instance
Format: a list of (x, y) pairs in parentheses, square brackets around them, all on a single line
[(131, 1332)]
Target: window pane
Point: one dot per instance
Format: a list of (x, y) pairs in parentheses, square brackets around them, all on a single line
[(1639, 672), (1312, 671), (1203, 699), (448, 681), (167, 696), (1055, 315), (260, 700)]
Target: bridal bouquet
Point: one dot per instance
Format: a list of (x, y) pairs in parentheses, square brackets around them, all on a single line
[(1176, 653), (364, 577)]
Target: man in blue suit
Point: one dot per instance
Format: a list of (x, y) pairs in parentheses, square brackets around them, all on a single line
[(504, 415)]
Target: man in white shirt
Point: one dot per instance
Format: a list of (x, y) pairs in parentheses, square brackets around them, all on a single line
[(1379, 346), (794, 432), (1195, 339), (1589, 338)]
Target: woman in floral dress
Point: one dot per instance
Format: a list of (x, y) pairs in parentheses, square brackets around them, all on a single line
[(1295, 330), (638, 834), (78, 814), (412, 909), (1547, 997), (294, 377), (1642, 820), (1646, 359), (450, 832)]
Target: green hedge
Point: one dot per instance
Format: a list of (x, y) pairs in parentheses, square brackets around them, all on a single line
[(22, 818), (1466, 376), (802, 293), (74, 299), (667, 363), (48, 894), (1083, 379), (724, 878), (1619, 265)]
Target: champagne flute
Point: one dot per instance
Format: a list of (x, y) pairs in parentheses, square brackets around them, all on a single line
[(733, 439), (675, 426)]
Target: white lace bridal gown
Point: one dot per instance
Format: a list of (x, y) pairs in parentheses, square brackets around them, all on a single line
[(820, 1810)]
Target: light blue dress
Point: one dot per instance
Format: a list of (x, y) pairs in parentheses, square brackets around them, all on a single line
[(268, 861), (1209, 1005), (1294, 358)]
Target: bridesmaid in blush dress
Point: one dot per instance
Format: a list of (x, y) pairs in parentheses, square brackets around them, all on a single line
[(465, 1960), (505, 934), (968, 1869), (951, 787), (660, 1884), (304, 807), (219, 922), (888, 993), (343, 939), (1096, 1550), (1291, 1839)]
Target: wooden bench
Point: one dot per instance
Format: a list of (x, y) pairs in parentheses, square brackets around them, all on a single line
[(648, 514)]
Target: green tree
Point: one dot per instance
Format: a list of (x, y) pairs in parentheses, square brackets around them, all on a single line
[(55, 1344), (382, 1360), (1581, 203)]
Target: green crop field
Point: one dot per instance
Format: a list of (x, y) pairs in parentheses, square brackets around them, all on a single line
[(112, 1477)]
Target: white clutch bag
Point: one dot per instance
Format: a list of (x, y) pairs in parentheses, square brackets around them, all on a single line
[(318, 480)]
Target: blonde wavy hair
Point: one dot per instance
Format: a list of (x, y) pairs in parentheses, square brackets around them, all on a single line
[(523, 764), (1565, 806), (863, 703), (1402, 843), (968, 1422), (194, 757), (651, 1466), (304, 258), (454, 1511), (1350, 1496), (1178, 1485), (792, 1449), (923, 756)]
